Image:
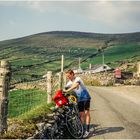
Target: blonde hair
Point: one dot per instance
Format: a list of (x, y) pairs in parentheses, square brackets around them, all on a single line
[(70, 71)]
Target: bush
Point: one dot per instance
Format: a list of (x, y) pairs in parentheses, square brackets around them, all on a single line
[(92, 82)]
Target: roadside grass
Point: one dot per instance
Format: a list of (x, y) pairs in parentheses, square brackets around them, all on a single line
[(23, 125), (21, 101), (37, 113)]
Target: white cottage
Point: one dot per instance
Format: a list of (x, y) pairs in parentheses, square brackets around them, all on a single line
[(98, 68), (78, 70)]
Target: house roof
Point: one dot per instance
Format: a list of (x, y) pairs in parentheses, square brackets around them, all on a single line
[(98, 66)]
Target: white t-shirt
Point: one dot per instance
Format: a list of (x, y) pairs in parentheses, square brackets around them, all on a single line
[(81, 90)]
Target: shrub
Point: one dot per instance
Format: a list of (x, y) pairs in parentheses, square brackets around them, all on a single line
[(92, 82)]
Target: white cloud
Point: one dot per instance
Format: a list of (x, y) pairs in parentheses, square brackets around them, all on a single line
[(111, 13), (11, 22), (40, 6), (108, 12)]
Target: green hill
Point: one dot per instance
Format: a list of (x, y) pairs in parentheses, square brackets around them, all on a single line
[(33, 55)]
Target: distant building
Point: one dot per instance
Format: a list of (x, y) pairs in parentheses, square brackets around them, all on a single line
[(78, 70), (98, 68)]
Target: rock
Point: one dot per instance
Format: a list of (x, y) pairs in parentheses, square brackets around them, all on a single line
[(40, 126), (13, 127)]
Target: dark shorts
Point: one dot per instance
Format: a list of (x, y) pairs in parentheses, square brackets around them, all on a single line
[(84, 105)]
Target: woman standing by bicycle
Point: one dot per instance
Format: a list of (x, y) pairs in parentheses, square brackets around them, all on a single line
[(76, 84)]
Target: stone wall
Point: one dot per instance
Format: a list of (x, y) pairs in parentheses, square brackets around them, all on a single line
[(104, 78), (108, 79)]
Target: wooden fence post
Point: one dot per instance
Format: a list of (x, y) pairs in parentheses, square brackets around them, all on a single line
[(138, 69), (5, 76), (64, 80), (60, 80), (49, 86)]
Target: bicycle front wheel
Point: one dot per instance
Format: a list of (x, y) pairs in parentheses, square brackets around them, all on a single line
[(75, 126)]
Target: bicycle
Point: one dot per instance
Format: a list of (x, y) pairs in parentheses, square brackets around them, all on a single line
[(65, 118), (68, 114)]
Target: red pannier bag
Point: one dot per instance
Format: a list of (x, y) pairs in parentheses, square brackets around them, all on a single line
[(60, 99)]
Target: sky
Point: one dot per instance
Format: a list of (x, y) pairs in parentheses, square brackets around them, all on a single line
[(23, 18)]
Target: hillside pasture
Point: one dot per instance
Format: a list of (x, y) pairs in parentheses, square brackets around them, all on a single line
[(32, 56), (117, 54)]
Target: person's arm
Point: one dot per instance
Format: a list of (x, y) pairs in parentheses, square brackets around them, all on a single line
[(74, 85)]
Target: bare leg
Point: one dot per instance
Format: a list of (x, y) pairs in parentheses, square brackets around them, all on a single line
[(87, 119), (82, 116)]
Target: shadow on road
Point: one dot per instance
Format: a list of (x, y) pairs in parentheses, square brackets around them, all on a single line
[(99, 131)]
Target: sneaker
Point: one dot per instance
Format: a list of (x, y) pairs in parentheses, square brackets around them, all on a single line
[(86, 134)]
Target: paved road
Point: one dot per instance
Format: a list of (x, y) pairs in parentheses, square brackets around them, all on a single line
[(112, 116)]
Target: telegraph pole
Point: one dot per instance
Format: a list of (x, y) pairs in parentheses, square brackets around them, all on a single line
[(79, 63), (103, 58)]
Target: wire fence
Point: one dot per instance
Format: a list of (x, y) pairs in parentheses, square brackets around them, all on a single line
[(27, 95)]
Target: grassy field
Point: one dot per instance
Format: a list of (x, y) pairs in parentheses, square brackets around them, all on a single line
[(31, 57), (117, 54), (31, 69), (22, 101)]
